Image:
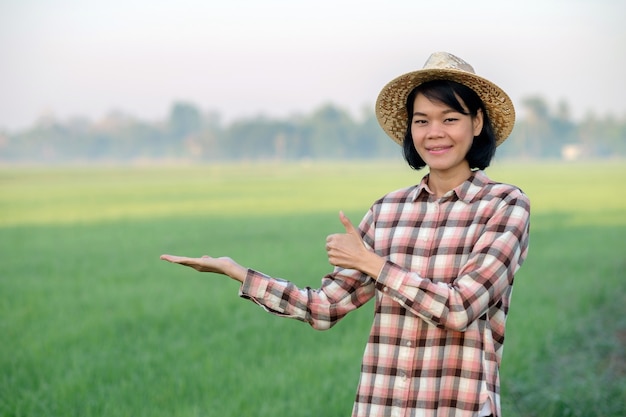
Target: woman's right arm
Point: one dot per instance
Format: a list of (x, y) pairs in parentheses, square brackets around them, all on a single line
[(341, 291)]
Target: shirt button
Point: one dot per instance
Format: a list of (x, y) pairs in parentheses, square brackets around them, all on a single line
[(386, 289), (408, 344)]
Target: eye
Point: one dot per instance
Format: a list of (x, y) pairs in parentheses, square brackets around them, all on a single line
[(419, 121), (451, 119)]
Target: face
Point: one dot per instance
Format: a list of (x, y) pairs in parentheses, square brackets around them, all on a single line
[(442, 136)]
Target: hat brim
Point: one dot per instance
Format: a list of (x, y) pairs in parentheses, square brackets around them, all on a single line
[(391, 110)]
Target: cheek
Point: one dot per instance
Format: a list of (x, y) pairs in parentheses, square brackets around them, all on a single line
[(415, 135)]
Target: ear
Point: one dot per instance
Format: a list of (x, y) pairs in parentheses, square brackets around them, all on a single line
[(478, 122)]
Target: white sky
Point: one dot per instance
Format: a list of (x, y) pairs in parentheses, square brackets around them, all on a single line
[(276, 57)]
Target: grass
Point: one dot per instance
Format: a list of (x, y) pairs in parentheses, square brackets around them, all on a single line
[(93, 324)]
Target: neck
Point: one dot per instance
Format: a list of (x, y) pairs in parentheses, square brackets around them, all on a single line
[(440, 182)]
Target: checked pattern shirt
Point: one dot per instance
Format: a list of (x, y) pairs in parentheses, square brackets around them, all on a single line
[(442, 297)]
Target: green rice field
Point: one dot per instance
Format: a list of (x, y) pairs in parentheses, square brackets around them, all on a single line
[(92, 323)]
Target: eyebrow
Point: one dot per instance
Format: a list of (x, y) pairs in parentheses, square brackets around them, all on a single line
[(417, 113)]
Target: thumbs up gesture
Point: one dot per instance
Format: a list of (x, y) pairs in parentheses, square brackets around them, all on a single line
[(347, 250)]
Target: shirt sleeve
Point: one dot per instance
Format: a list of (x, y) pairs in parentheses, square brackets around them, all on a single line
[(341, 292), (483, 280)]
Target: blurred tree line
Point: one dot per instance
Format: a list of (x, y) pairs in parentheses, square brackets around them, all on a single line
[(328, 132)]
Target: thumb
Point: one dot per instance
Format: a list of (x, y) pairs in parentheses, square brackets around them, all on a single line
[(350, 229)]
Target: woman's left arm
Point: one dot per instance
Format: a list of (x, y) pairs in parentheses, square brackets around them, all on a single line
[(482, 281)]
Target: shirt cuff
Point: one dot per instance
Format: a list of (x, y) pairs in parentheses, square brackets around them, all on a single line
[(391, 276), (254, 285)]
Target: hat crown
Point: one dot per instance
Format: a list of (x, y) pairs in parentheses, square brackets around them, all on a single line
[(445, 60)]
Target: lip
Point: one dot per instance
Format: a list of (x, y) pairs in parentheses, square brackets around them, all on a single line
[(438, 150)]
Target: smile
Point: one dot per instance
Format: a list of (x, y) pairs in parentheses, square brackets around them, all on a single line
[(439, 149)]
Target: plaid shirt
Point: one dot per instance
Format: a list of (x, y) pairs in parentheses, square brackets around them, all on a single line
[(442, 297)]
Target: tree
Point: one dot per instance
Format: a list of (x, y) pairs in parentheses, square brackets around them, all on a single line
[(330, 133), (185, 120)]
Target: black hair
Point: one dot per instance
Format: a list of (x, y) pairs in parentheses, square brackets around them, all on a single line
[(449, 92)]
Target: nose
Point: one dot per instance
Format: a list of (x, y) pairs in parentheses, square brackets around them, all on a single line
[(435, 130)]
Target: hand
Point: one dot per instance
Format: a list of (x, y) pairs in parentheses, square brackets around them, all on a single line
[(347, 250), (223, 265)]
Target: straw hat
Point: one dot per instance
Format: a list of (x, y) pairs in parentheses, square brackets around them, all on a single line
[(391, 109)]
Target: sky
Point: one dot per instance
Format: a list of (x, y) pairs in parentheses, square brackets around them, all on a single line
[(242, 58)]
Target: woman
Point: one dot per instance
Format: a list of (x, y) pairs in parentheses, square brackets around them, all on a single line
[(439, 257)]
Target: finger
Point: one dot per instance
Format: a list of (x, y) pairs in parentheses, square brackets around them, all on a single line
[(167, 257), (347, 224), (173, 259)]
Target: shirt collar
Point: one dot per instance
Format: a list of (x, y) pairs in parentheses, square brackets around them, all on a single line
[(466, 191)]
